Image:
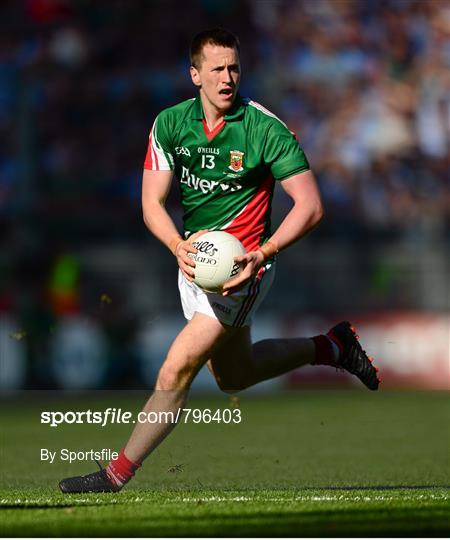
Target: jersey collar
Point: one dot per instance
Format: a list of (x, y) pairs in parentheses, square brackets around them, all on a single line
[(236, 111)]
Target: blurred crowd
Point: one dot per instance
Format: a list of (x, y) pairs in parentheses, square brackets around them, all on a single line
[(367, 85), (364, 83)]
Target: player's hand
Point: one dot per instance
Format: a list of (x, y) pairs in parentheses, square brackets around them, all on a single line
[(182, 250), (251, 262)]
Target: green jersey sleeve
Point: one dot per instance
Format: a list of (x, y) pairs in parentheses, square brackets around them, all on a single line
[(160, 152), (283, 153)]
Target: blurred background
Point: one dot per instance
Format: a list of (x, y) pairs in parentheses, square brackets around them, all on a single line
[(88, 299)]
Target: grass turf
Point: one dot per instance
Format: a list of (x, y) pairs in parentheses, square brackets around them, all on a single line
[(320, 463)]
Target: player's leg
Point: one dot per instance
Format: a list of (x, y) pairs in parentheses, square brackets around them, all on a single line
[(191, 349), (238, 364)]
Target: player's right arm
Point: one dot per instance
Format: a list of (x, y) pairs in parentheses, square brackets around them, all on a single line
[(155, 188)]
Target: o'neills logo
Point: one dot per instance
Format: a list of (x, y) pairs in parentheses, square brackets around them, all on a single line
[(209, 251), (206, 247), (236, 161)]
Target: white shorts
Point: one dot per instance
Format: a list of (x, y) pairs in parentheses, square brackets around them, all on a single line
[(234, 310)]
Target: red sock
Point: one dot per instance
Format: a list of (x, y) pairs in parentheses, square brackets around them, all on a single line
[(325, 355), (121, 470)]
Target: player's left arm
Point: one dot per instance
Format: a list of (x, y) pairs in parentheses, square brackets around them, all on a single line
[(305, 214)]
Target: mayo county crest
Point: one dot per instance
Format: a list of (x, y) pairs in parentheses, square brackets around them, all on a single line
[(236, 160)]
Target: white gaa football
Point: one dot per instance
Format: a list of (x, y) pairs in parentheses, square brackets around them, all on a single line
[(214, 260)]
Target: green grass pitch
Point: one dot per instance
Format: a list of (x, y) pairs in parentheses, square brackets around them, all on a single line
[(306, 463)]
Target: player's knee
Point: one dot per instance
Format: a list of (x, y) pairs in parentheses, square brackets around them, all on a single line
[(172, 377)]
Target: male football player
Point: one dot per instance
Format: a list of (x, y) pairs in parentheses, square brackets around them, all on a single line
[(227, 154)]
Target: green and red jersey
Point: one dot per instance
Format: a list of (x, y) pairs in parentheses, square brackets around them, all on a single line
[(226, 175)]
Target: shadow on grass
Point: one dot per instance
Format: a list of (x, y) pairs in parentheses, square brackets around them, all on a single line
[(154, 521), (37, 506), (376, 488)]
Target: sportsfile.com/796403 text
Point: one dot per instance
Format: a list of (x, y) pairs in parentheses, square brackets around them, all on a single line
[(113, 415)]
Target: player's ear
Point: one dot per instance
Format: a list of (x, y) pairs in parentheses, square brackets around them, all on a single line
[(195, 76)]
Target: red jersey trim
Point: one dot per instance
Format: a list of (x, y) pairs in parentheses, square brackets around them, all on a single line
[(249, 225), (151, 159), (211, 134)]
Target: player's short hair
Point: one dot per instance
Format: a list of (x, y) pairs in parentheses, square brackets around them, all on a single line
[(213, 36)]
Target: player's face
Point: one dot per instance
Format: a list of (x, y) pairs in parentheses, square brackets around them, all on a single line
[(218, 76)]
